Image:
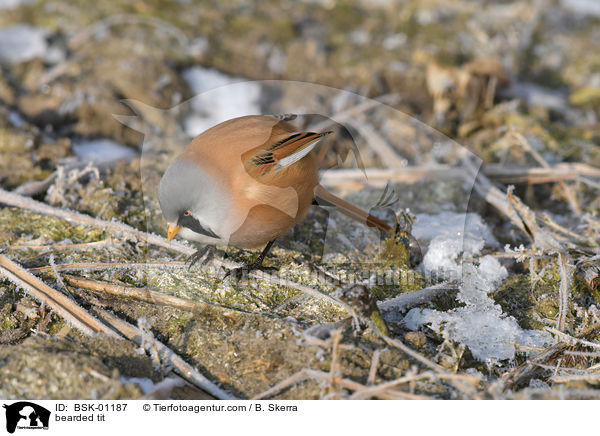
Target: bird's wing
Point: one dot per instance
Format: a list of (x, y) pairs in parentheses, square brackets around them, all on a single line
[(280, 151)]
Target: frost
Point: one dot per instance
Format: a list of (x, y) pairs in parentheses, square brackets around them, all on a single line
[(480, 324)]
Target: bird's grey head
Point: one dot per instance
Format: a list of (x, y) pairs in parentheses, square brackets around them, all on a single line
[(190, 197)]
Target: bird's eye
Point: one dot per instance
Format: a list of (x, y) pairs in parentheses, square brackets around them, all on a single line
[(187, 213)]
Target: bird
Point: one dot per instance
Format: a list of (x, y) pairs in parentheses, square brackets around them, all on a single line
[(244, 183)]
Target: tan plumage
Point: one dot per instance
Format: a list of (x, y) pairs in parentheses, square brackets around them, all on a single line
[(265, 178)]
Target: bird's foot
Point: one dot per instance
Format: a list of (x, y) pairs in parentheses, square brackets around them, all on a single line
[(204, 255), (243, 272)]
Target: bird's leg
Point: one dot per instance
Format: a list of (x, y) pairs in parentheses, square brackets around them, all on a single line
[(261, 257), (203, 255), (257, 264)]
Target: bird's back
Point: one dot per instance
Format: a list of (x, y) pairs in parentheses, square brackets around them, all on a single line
[(235, 137)]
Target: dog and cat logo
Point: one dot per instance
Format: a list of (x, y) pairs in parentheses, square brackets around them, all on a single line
[(26, 415)]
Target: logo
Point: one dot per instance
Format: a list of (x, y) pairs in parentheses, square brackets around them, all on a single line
[(26, 415)]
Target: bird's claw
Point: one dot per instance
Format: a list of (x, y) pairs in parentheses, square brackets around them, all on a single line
[(204, 255)]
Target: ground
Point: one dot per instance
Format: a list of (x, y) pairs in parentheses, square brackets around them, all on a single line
[(513, 83)]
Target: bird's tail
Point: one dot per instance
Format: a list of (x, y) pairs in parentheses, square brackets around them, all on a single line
[(324, 197)]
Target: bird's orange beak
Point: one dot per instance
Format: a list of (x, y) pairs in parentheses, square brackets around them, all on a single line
[(172, 231)]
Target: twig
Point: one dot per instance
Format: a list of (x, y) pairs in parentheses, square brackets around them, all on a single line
[(334, 370), (583, 353), (349, 113), (559, 393), (351, 177), (411, 299), (575, 377), (437, 368), (566, 277), (16, 200), (56, 273), (553, 173), (348, 178), (484, 187), (307, 374), (569, 194), (40, 186), (521, 375), (373, 368), (141, 294), (389, 157), (572, 340), (371, 391), (67, 308), (83, 245), (574, 237), (412, 353), (167, 356), (90, 266)]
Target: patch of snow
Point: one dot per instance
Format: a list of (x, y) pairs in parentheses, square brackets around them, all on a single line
[(101, 150), (443, 253), (145, 383), (480, 324), (12, 4), (16, 119), (20, 43), (426, 227), (394, 41), (360, 37), (583, 7), (219, 97), (536, 95)]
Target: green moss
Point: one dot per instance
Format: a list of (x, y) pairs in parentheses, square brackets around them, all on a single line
[(529, 307)]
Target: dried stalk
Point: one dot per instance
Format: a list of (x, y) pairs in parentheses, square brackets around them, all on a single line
[(356, 178), (371, 391), (308, 374), (64, 306), (575, 377), (373, 368), (352, 112), (379, 145), (405, 301), (469, 390), (335, 370), (521, 375), (83, 245), (90, 266), (16, 200), (141, 294), (40, 186), (569, 194)]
